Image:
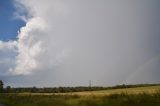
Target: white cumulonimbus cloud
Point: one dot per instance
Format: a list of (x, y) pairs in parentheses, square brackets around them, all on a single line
[(28, 46), (32, 39)]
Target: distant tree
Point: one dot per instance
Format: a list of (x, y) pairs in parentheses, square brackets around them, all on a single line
[(33, 89), (8, 89), (1, 86)]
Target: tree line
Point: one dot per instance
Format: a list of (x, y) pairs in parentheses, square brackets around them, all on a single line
[(9, 89)]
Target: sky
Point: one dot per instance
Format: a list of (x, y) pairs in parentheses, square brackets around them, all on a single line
[(9, 25), (68, 43)]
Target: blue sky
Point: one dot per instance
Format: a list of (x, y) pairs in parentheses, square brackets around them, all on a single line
[(8, 25)]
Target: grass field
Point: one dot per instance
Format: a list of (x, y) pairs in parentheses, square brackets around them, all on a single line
[(141, 96), (150, 90)]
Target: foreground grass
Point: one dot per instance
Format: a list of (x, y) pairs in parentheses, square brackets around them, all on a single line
[(122, 99), (142, 96)]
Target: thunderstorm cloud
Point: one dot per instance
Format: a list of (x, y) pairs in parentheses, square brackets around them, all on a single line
[(68, 43)]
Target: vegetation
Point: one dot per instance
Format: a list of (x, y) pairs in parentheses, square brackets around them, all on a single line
[(8, 89), (1, 86), (120, 95), (121, 99)]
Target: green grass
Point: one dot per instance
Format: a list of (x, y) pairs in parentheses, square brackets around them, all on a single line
[(141, 96)]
